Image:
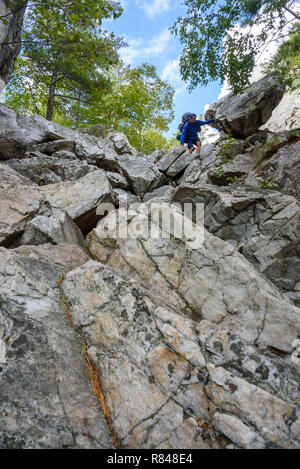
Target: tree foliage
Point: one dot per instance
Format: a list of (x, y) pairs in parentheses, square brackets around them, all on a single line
[(69, 71), (154, 140), (65, 46), (286, 61), (139, 101), (214, 48), (27, 91)]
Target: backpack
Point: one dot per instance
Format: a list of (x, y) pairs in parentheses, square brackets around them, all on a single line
[(185, 118)]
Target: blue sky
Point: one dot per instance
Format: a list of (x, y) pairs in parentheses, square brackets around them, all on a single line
[(144, 25)]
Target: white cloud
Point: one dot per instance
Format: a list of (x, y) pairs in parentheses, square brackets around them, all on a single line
[(155, 7), (179, 90), (128, 54), (158, 44), (206, 107), (171, 74), (225, 90), (171, 71), (137, 47)]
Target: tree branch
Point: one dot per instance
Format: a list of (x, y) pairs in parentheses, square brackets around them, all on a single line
[(21, 42), (274, 38), (296, 15), (70, 97)]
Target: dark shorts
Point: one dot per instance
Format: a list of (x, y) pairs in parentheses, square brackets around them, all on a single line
[(192, 141)]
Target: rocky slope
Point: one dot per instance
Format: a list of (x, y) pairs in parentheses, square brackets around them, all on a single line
[(142, 341)]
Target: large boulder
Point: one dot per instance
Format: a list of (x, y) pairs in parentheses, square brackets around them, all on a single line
[(46, 396), (175, 161), (262, 225), (20, 201), (80, 198), (126, 198), (167, 160), (49, 148), (240, 166), (245, 113), (121, 144), (165, 377), (45, 170), (51, 225), (117, 180), (21, 135), (282, 170), (213, 282), (141, 173), (287, 114), (27, 218), (197, 170), (162, 194), (10, 176), (100, 154), (180, 164)]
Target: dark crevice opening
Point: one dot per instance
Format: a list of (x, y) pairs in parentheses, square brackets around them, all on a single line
[(10, 241)]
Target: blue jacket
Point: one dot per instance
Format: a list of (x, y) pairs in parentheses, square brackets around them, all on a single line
[(191, 130)]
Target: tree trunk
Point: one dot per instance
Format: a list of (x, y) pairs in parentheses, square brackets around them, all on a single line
[(142, 138), (10, 36), (51, 98), (78, 107)]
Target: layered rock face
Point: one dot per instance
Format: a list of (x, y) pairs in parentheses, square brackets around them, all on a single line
[(246, 112), (125, 322)]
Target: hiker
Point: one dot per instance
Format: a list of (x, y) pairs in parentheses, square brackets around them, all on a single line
[(190, 133)]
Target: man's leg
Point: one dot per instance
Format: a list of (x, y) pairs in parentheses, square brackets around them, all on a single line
[(190, 146), (198, 148)]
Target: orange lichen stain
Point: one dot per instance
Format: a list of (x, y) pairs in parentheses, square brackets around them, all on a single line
[(68, 315), (95, 382), (97, 390), (61, 279), (202, 424), (259, 172)]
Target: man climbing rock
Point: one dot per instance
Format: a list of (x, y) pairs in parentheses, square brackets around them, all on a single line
[(190, 133)]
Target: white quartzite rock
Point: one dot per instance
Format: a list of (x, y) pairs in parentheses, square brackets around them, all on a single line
[(244, 113), (160, 388), (20, 201), (262, 225), (215, 282), (45, 391), (80, 198)]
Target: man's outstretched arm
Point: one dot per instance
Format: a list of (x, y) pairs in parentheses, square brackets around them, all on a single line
[(205, 122)]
